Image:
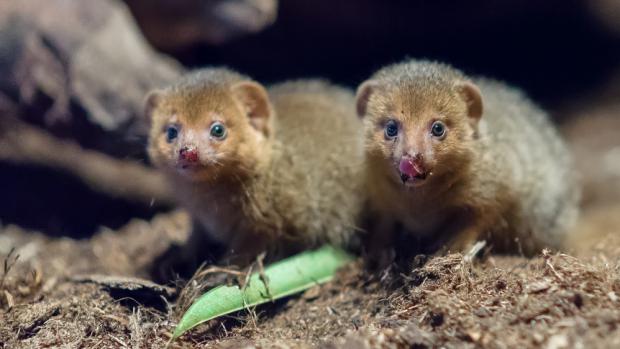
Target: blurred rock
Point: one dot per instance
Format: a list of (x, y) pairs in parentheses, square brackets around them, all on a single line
[(80, 69), (608, 13), (177, 24), (592, 133)]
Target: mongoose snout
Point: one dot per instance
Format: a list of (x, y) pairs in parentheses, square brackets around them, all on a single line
[(188, 155), (412, 168)]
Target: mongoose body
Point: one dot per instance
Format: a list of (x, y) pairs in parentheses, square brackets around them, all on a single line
[(272, 170), (456, 159)]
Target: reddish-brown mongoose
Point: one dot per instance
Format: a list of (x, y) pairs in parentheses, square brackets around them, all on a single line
[(458, 159), (260, 169)]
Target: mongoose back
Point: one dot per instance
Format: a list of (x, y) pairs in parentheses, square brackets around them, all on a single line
[(260, 170), (460, 159)]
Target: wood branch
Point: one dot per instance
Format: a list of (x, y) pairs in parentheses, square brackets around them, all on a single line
[(21, 143)]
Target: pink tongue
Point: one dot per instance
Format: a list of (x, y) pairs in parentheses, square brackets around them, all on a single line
[(407, 167)]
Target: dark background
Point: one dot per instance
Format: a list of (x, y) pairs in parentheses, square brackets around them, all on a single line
[(555, 50)]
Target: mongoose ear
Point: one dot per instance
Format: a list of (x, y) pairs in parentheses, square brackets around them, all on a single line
[(473, 97), (366, 89), (255, 102), (151, 101)]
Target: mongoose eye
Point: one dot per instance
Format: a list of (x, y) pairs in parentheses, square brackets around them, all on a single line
[(391, 129), (171, 133), (218, 131), (438, 129)]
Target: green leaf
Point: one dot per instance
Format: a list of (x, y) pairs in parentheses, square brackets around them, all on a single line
[(284, 278)]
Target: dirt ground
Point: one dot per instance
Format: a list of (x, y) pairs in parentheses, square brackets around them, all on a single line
[(62, 292), (55, 295)]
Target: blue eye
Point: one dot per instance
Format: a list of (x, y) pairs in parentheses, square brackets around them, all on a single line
[(171, 133), (391, 129), (218, 130), (438, 129)]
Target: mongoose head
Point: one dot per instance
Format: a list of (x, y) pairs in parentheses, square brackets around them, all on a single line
[(419, 118), (211, 125)]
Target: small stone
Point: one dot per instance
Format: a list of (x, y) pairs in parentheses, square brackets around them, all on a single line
[(538, 286), (558, 341)]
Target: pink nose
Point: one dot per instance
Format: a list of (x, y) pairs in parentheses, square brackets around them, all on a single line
[(188, 154), (412, 167)]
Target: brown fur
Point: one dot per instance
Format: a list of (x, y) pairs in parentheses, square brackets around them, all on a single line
[(501, 173), (287, 174)]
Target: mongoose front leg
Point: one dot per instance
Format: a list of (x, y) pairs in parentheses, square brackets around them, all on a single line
[(463, 234), (183, 258), (464, 240), (379, 243)]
